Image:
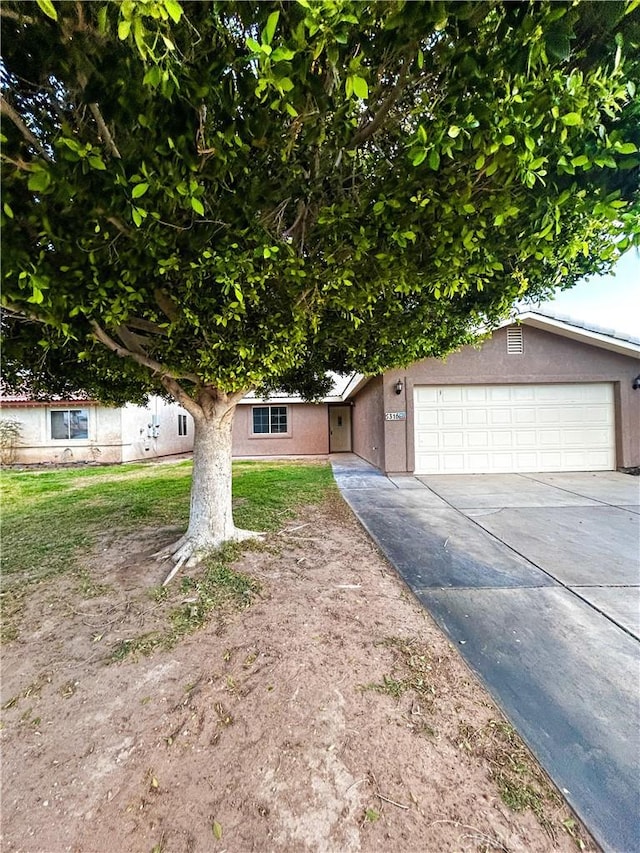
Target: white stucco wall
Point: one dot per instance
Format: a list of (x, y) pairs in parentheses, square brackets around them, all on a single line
[(114, 434), (152, 432), (36, 444)]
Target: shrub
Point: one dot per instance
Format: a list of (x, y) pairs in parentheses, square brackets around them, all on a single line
[(10, 430)]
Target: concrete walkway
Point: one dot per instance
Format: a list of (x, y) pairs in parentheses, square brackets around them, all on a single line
[(536, 579)]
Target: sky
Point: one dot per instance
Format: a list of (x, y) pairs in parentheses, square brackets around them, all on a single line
[(610, 301)]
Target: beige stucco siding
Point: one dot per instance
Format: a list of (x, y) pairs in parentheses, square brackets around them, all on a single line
[(547, 357), (368, 423), (36, 445), (307, 431), (114, 434)]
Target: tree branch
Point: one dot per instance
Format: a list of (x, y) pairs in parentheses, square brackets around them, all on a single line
[(166, 304), (178, 392), (16, 16), (364, 132), (10, 112), (216, 402), (19, 164), (132, 341), (122, 228), (154, 366), (146, 326), (21, 312), (104, 131)]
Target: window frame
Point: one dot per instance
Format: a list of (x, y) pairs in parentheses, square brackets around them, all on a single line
[(182, 426), (68, 411), (286, 433)]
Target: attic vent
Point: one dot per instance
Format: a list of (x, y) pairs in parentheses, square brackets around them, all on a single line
[(515, 342)]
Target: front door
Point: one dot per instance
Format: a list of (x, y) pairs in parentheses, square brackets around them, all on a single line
[(339, 429)]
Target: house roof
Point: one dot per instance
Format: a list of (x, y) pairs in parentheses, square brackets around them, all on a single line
[(8, 399), (568, 327), (343, 387)]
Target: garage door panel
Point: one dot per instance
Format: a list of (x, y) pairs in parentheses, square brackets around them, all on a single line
[(523, 393), (427, 417), (426, 395), (453, 462), (550, 461), (451, 395), (527, 415), (500, 440), (427, 441), (498, 417), (452, 440), (510, 428), (525, 438), (498, 393), (597, 461), (555, 415), (477, 417), (527, 461), (477, 440), (452, 418), (549, 437), (477, 394), (597, 415)]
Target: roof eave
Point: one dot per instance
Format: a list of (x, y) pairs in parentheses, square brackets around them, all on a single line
[(577, 333)]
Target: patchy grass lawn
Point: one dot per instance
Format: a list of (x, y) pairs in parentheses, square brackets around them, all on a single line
[(330, 715), (51, 519)]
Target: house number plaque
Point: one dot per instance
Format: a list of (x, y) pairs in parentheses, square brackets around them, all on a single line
[(395, 416)]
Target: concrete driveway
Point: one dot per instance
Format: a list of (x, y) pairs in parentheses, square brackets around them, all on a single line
[(536, 578)]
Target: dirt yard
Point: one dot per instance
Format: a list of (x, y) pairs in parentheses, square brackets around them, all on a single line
[(329, 715)]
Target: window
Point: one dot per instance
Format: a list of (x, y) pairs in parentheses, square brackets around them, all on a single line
[(182, 424), (269, 419), (515, 341), (69, 424)]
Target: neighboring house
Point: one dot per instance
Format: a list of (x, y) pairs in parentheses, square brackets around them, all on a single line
[(83, 430), (543, 394)]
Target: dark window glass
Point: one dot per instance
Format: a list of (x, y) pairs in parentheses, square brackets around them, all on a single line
[(278, 418), (70, 424), (269, 419), (261, 420)]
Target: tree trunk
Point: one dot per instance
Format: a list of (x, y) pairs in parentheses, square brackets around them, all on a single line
[(211, 516)]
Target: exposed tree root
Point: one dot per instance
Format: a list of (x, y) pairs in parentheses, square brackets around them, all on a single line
[(189, 550), (168, 550)]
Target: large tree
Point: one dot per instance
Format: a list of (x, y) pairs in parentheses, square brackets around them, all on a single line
[(208, 198)]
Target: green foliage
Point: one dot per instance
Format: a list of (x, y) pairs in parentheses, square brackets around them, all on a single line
[(242, 194)]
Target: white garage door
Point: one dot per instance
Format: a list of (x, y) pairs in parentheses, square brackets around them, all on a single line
[(510, 428)]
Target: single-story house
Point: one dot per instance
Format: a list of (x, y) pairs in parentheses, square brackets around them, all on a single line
[(79, 429), (542, 394), (539, 394)]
